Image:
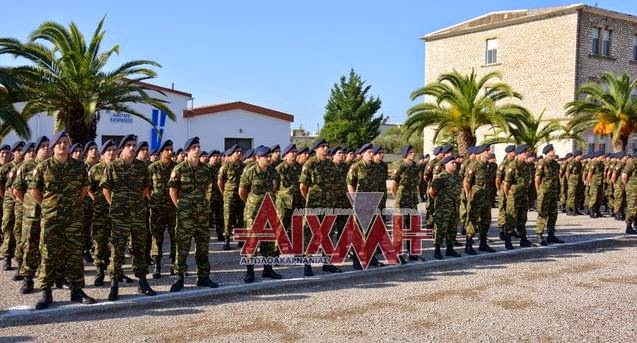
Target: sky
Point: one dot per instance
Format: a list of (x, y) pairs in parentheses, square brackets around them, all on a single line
[(285, 55)]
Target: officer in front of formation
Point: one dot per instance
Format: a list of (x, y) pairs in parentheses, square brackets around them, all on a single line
[(189, 184)]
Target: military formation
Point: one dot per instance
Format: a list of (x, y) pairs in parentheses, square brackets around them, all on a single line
[(64, 206)]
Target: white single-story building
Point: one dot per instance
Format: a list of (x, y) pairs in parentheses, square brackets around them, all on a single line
[(217, 126)]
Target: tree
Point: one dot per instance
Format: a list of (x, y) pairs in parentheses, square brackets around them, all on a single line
[(461, 104), (349, 114), (65, 78), (395, 138), (10, 117), (607, 112), (530, 130)]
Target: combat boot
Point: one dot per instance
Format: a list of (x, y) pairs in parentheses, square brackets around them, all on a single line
[(113, 294), (249, 278), (226, 244), (375, 262), (484, 246), (540, 240), (525, 243), (307, 270), (17, 276), (451, 252), (502, 235), (87, 256), (62, 283), (630, 230), (78, 296), (402, 259), (27, 285), (157, 273), (269, 273), (99, 277), (514, 234), (178, 285), (206, 282), (437, 252), (7, 263), (47, 299), (144, 288), (124, 278), (552, 239), (507, 242), (356, 263), (468, 247), (332, 269)]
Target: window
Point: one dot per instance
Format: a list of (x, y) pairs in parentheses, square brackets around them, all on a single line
[(596, 34), (244, 143), (492, 51), (635, 48), (606, 43)]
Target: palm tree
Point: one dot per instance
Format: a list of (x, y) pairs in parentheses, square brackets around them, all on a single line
[(530, 130), (461, 104), (66, 79), (607, 112), (10, 118)]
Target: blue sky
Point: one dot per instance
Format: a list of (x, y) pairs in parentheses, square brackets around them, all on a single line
[(285, 55)]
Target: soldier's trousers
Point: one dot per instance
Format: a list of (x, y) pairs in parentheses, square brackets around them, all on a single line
[(464, 209), (61, 241), (446, 225), (595, 195), (162, 220), (87, 222), (631, 205), (233, 208), (191, 226), (502, 205), (563, 191), (575, 189), (479, 216), (269, 248), (216, 215), (101, 236), (516, 214), (17, 231), (619, 197), (30, 244), (8, 223), (546, 211), (123, 227), (429, 215)]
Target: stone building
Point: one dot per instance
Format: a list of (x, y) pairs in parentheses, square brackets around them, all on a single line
[(545, 54)]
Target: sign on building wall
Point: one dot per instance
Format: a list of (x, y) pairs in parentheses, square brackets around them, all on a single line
[(159, 120), (121, 118)]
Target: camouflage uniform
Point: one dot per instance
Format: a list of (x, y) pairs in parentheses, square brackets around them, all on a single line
[(8, 212), (216, 201), (563, 184), (575, 185), (478, 206), (28, 252), (492, 169), (162, 209), (101, 220), (407, 177), (596, 191), (619, 188), (62, 236), (463, 210), (288, 197), (549, 171), (233, 207), (318, 175), (446, 206), (87, 205), (532, 191), (502, 204), (258, 183), (381, 173), (517, 174), (631, 191), (428, 177), (127, 183), (340, 196), (193, 211), (361, 176)]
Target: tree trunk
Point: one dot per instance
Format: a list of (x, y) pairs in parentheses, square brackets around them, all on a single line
[(621, 143), (466, 138), (78, 130)]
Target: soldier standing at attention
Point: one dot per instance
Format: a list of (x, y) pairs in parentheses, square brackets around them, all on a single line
[(30, 239), (547, 175), (316, 184), (427, 177), (216, 198), (228, 183), (18, 197), (564, 180), (126, 186), (575, 184), (8, 206), (189, 191), (340, 190), (629, 177), (91, 151), (5, 158), (381, 173), (58, 185), (445, 190), (499, 179), (276, 155), (595, 180), (516, 181), (302, 156), (479, 206), (404, 187), (101, 219), (619, 187), (76, 151), (143, 154), (162, 209)]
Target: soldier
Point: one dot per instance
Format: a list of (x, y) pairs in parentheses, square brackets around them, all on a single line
[(216, 198), (154, 156), (619, 187), (532, 192), (5, 158), (101, 220), (404, 188), (349, 158), (594, 179), (125, 186), (461, 171), (8, 206), (58, 185), (30, 238), (143, 154), (516, 181), (92, 157), (547, 176), (203, 157), (492, 170), (479, 206), (316, 182), (499, 179), (302, 156), (564, 180), (276, 155), (249, 158), (76, 151), (381, 174), (339, 183), (629, 177), (445, 190), (422, 186), (18, 197), (228, 183), (575, 184), (189, 186), (162, 210)]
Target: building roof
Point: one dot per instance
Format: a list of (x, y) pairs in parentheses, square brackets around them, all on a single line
[(237, 105), (505, 18), (163, 89)]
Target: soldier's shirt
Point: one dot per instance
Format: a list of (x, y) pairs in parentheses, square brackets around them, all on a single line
[(549, 172), (192, 185), (631, 172), (318, 176), (127, 183), (574, 168), (517, 175), (448, 187), (361, 176), (340, 185), (159, 174), (95, 176), (215, 193), (24, 175), (289, 193), (60, 185), (230, 174), (258, 183), (407, 176)]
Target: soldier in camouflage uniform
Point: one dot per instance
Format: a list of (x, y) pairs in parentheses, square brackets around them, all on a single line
[(257, 182), (547, 176), (5, 158), (341, 200), (8, 211), (381, 174), (575, 185), (461, 171), (516, 182), (75, 151), (143, 154), (101, 230), (316, 182), (58, 185), (478, 204), (404, 187), (18, 197), (162, 209), (216, 198), (228, 182), (276, 156), (126, 186), (189, 186), (609, 164), (30, 239), (92, 158), (445, 191), (619, 187), (492, 170), (499, 179), (564, 180), (629, 177), (594, 179)]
